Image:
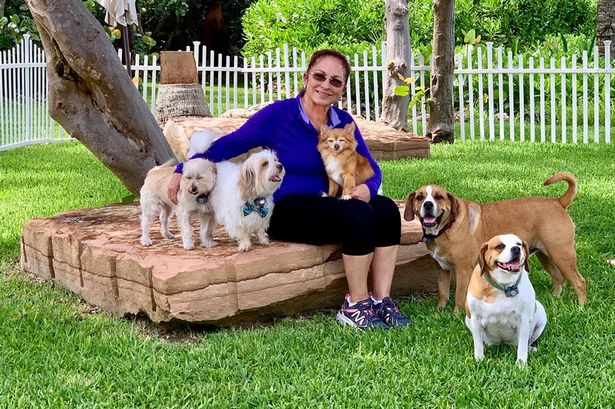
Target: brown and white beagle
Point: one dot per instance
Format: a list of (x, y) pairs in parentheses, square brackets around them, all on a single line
[(455, 228), (501, 305)]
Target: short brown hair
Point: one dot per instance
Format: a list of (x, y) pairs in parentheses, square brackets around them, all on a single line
[(329, 52)]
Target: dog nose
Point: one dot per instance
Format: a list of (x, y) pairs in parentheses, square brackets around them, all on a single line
[(279, 167), (515, 250), (336, 146), (428, 206)]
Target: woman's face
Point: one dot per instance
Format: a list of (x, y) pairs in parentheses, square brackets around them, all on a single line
[(325, 81)]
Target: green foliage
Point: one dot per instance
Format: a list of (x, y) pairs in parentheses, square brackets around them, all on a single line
[(526, 22), (348, 25), (14, 23)]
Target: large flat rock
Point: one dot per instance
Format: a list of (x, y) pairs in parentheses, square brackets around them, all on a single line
[(384, 142), (96, 253)]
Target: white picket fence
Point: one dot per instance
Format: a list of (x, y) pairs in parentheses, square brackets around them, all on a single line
[(497, 97)]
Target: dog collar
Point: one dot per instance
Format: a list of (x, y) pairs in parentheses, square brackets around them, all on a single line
[(428, 238), (509, 291), (257, 205), (203, 198)]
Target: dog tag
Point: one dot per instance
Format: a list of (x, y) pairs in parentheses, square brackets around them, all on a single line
[(202, 198), (260, 201), (511, 291)]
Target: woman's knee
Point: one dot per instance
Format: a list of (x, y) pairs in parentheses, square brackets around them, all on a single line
[(388, 221)]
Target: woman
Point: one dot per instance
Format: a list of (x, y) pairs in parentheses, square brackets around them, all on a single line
[(367, 225)]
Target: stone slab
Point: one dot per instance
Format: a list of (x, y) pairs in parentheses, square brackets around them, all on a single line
[(384, 142), (96, 253)]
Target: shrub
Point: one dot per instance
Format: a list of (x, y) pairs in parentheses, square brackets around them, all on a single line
[(348, 25)]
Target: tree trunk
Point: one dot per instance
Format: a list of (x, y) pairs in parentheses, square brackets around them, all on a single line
[(441, 125), (605, 25), (92, 96), (395, 108)]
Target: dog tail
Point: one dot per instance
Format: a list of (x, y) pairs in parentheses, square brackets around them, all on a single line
[(566, 199), (200, 142)]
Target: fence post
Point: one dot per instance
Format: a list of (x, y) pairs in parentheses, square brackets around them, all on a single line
[(27, 48), (607, 92)]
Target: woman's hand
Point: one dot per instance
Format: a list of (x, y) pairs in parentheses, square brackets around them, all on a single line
[(361, 192), (173, 187)]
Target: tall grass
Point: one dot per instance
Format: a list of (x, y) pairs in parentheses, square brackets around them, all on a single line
[(58, 352)]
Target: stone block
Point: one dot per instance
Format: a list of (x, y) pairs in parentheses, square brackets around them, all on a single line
[(96, 253)]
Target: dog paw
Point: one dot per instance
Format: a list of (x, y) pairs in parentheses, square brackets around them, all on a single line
[(167, 235), (188, 245), (263, 238), (346, 197), (209, 244), (146, 241), (521, 363), (323, 194), (244, 246)]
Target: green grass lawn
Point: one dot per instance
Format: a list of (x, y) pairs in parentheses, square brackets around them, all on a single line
[(56, 351)]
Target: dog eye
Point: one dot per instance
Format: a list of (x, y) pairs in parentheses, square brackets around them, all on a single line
[(438, 197), (265, 163), (500, 246), (420, 197)]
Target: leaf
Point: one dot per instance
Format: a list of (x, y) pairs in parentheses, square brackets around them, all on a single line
[(470, 37), (402, 90), (409, 80)]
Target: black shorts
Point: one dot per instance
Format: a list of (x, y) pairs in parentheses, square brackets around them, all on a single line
[(357, 225)]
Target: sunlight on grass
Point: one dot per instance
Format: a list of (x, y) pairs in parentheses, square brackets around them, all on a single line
[(57, 352)]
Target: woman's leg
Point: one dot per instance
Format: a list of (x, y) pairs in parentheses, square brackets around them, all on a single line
[(384, 261), (357, 269), (383, 268), (320, 220)]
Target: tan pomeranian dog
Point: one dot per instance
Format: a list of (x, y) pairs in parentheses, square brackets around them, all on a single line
[(345, 167)]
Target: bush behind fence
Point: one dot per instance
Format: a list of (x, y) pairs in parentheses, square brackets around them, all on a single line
[(497, 95)]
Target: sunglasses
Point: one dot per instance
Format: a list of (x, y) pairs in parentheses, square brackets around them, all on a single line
[(335, 82)]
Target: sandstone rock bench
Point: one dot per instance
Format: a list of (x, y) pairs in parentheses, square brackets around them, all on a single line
[(384, 142), (96, 253)]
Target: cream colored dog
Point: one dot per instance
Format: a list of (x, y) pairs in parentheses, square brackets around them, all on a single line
[(454, 230), (501, 305), (243, 196), (197, 182)]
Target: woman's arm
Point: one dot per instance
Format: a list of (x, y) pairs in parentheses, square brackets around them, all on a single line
[(250, 135)]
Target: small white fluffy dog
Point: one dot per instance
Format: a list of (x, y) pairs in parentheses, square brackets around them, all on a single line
[(501, 305), (197, 182), (243, 196)]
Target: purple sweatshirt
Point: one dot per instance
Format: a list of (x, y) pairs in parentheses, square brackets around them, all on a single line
[(284, 128)]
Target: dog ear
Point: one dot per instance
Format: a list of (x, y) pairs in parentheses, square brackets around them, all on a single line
[(527, 256), (481, 257), (455, 206), (409, 211), (247, 180), (324, 131), (350, 128)]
